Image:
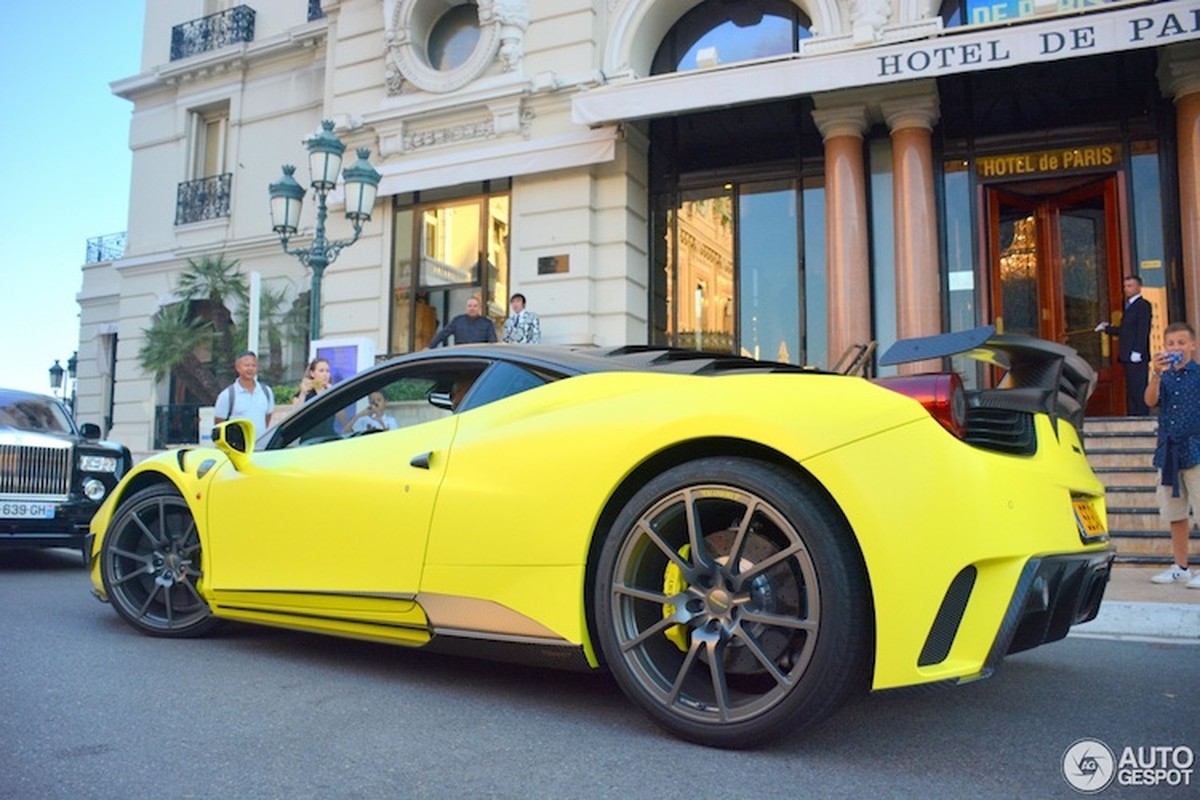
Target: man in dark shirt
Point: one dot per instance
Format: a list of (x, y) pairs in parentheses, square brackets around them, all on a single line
[(469, 328), (1134, 351)]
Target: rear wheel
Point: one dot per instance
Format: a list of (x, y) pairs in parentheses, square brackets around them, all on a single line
[(150, 562), (731, 604)]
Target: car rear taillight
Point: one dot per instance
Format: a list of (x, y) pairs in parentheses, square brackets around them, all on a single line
[(941, 393)]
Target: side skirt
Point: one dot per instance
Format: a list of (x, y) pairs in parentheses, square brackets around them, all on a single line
[(463, 626)]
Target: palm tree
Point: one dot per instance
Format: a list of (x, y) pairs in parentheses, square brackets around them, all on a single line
[(170, 347), (271, 320), (296, 319), (210, 283)]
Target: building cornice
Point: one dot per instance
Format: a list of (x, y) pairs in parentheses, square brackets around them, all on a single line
[(230, 59)]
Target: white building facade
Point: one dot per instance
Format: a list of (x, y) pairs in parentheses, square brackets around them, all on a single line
[(783, 178)]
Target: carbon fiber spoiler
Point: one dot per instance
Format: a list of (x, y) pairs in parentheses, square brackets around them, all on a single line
[(1039, 376)]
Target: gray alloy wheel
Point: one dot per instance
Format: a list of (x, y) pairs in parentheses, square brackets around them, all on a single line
[(150, 562), (731, 603)]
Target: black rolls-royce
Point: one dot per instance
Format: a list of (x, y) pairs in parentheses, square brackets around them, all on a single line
[(53, 473)]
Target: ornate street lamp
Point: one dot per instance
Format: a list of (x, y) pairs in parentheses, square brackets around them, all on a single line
[(56, 376), (72, 365), (361, 182)]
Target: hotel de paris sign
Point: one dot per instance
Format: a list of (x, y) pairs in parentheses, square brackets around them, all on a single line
[(1104, 30), (1068, 37)]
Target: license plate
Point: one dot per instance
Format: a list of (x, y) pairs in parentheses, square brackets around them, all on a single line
[(1088, 519), (18, 510)]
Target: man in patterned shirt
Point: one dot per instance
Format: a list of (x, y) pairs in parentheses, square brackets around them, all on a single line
[(1175, 381), (522, 326)]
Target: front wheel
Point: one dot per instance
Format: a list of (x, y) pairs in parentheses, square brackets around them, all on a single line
[(150, 562), (731, 603)]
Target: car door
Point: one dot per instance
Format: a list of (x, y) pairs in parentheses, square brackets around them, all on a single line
[(330, 519)]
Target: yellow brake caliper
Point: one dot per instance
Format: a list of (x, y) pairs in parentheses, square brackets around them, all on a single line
[(673, 583)]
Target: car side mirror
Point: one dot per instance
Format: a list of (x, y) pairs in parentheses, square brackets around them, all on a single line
[(90, 430), (235, 439)]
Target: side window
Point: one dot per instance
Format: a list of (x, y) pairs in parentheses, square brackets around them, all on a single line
[(386, 401), (501, 381)]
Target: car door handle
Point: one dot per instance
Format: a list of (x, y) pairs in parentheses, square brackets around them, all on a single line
[(421, 461)]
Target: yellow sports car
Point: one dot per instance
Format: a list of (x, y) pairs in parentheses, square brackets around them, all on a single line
[(742, 544)]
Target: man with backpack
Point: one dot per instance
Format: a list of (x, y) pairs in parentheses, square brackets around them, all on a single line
[(246, 398)]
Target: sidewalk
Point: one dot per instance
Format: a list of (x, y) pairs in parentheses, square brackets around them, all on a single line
[(1136, 608)]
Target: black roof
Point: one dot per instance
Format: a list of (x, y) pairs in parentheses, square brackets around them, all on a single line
[(627, 358)]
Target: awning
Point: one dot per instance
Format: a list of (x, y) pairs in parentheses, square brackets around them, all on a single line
[(957, 50)]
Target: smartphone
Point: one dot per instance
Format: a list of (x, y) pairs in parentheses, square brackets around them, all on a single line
[(1174, 357)]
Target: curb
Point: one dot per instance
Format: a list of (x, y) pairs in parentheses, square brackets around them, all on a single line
[(1178, 622)]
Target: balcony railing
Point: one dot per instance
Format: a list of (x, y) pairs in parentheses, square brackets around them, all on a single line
[(314, 10), (176, 424), (205, 198), (109, 247), (211, 32)]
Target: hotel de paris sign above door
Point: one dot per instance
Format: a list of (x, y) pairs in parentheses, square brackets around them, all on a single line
[(1094, 32)]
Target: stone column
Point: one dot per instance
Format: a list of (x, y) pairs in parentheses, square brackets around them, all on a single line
[(918, 283), (1179, 76), (847, 234)]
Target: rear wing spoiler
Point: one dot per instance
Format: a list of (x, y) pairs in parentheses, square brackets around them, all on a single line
[(1040, 376)]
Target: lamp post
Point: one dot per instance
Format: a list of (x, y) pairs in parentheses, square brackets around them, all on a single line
[(56, 380), (287, 196), (56, 377), (72, 364)]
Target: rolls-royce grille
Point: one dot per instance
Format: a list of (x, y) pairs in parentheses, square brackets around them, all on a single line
[(1002, 430), (42, 471)]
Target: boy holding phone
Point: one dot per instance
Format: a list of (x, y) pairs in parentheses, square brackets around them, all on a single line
[(1175, 382)]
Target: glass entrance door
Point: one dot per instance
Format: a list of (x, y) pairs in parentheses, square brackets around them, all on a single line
[(1055, 265)]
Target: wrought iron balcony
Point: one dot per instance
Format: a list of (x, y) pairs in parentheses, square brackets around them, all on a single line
[(314, 10), (211, 32), (109, 247), (206, 198)]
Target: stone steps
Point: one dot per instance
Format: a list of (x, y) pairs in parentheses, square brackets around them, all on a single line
[(1120, 450)]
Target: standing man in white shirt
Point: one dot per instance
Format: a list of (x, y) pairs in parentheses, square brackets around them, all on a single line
[(522, 325), (246, 398)]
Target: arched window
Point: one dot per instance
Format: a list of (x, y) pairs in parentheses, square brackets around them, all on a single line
[(721, 32)]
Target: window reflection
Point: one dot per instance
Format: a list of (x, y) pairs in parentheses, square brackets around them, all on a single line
[(450, 245), (960, 263), (768, 255), (717, 32), (454, 37), (996, 12), (740, 268), (700, 284), (1018, 273), (458, 242)]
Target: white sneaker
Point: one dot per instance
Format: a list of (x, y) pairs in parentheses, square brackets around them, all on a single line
[(1175, 573), (1194, 583)]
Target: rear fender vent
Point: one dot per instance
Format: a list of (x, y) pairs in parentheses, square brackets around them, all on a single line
[(1001, 429), (949, 617)]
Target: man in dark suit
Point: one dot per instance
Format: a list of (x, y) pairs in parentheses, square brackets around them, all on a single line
[(1134, 351)]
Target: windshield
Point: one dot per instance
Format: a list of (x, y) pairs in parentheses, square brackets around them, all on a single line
[(30, 412)]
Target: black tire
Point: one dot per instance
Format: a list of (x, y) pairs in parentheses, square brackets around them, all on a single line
[(731, 604), (150, 562)]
